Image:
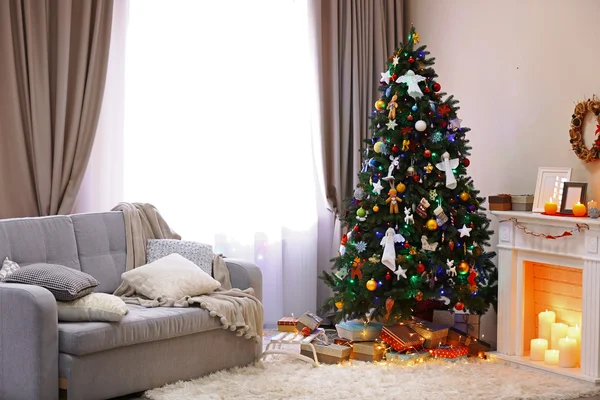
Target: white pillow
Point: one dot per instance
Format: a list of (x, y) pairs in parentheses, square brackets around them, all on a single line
[(93, 307), (172, 276)]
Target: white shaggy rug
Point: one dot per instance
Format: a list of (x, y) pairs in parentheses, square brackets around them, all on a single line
[(281, 377)]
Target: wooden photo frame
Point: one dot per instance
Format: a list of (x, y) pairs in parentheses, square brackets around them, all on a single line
[(549, 184), (573, 192)]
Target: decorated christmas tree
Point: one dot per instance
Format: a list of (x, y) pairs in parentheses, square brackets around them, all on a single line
[(415, 227)]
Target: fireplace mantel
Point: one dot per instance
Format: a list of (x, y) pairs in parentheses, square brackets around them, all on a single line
[(580, 251)]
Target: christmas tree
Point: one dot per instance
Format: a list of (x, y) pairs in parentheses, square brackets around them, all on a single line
[(415, 227)]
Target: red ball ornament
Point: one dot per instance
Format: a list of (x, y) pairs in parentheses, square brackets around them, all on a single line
[(411, 60), (440, 176), (427, 153), (410, 117), (436, 87), (443, 124), (306, 331), (388, 276), (459, 305), (356, 228), (420, 268), (466, 162), (427, 90), (416, 178), (406, 245), (419, 296), (394, 77), (395, 148)]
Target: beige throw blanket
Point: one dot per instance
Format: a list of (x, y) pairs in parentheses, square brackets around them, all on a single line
[(142, 222), (238, 310)]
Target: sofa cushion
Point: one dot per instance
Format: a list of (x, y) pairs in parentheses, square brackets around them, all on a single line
[(93, 307), (64, 283), (39, 240), (102, 247), (8, 267), (140, 325), (198, 253)]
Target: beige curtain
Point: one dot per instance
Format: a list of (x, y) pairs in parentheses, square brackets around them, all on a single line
[(53, 58), (352, 40)]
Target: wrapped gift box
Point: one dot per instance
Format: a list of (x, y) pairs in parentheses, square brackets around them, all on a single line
[(287, 324), (434, 334), (449, 352), (343, 342), (328, 354), (394, 356), (358, 331), (443, 317), (474, 345), (522, 202), (468, 323), (500, 202), (312, 321), (368, 351), (401, 337)]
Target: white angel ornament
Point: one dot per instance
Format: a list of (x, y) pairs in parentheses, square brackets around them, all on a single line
[(389, 252), (447, 165), (412, 81)]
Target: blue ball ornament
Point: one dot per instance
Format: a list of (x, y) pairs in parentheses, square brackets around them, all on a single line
[(379, 232), (415, 108), (388, 91), (374, 178), (376, 301), (374, 139), (374, 163)]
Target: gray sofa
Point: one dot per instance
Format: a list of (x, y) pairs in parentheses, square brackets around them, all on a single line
[(95, 360)]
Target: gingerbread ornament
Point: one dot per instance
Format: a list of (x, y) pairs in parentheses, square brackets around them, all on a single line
[(393, 201)]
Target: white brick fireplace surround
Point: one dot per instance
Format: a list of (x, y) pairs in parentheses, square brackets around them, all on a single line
[(518, 249)]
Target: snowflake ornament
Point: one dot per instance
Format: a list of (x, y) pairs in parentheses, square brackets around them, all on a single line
[(360, 246), (432, 194), (437, 137), (391, 124)]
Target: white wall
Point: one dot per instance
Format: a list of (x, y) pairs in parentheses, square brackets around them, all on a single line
[(517, 67)]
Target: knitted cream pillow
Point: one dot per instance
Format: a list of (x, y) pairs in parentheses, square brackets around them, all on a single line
[(172, 276), (93, 307)]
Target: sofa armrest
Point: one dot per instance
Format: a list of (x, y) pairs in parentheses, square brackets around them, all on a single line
[(244, 274), (28, 343)]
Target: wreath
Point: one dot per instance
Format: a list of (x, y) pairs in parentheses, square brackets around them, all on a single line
[(576, 131)]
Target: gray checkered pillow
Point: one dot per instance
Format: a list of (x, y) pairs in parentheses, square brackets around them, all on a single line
[(64, 283), (8, 267), (198, 253)]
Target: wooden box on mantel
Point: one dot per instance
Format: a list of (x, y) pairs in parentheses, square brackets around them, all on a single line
[(500, 202), (522, 202)]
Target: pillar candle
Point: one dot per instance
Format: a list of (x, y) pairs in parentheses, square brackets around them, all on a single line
[(567, 352), (545, 321), (551, 357), (538, 349), (574, 332), (558, 331)]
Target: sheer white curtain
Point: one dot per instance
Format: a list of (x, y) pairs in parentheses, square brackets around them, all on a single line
[(217, 134)]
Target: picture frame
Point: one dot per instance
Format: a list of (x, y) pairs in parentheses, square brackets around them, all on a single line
[(549, 184), (573, 192)]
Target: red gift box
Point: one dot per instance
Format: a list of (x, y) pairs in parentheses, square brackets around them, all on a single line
[(449, 351), (401, 337)]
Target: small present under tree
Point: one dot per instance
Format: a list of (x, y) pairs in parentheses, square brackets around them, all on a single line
[(415, 227)]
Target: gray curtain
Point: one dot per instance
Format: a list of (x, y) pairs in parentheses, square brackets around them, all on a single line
[(352, 40), (53, 59)]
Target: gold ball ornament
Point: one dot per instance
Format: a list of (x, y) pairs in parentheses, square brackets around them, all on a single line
[(375, 208), (463, 268), (432, 225), (419, 296), (377, 147), (401, 187), (339, 305), (371, 284), (380, 105), (477, 251), (464, 196)]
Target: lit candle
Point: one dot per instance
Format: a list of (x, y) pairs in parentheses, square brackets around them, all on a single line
[(538, 349), (558, 331), (550, 207), (579, 210), (592, 203), (551, 357), (567, 353), (574, 332), (545, 321)]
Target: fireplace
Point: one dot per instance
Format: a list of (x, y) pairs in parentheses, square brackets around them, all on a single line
[(538, 274)]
